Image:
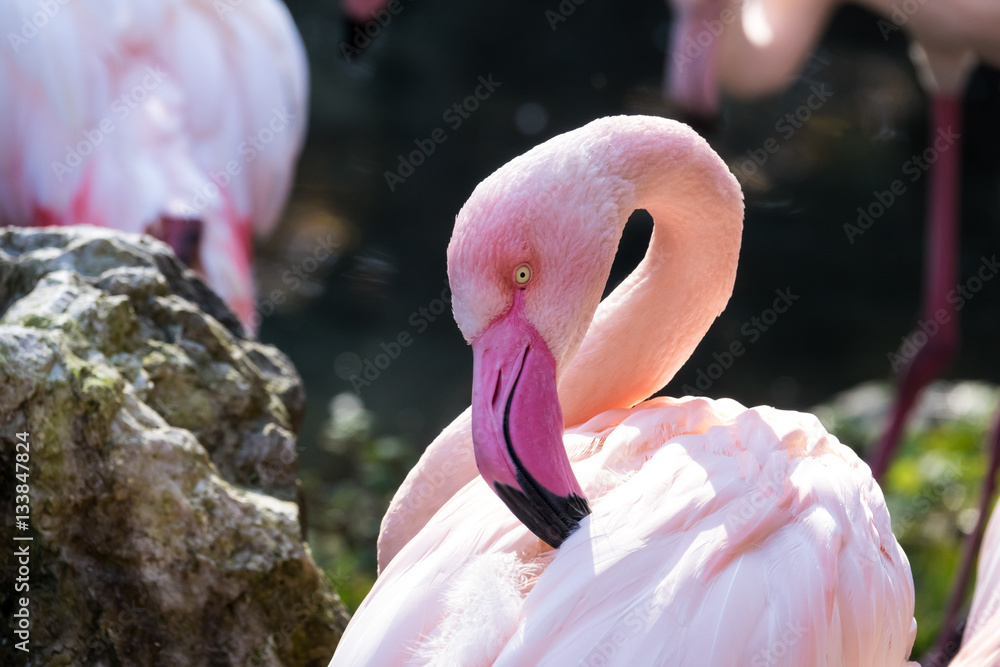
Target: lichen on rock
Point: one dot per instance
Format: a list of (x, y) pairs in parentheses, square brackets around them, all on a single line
[(162, 464)]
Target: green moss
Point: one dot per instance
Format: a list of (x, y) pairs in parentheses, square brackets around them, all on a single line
[(38, 321), (140, 516), (119, 322), (182, 404)]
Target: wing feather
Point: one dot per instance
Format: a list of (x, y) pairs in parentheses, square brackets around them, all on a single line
[(719, 536)]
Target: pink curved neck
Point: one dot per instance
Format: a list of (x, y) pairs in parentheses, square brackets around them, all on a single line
[(645, 330), (941, 243)]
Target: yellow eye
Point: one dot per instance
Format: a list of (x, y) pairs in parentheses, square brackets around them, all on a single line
[(522, 274)]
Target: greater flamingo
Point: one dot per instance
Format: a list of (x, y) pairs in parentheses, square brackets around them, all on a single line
[(752, 48), (689, 531), (181, 118)]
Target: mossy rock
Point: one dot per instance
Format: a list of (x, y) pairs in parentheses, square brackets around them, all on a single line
[(162, 472)]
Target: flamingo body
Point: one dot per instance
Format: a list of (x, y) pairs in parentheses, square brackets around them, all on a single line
[(719, 535), (713, 535), (135, 115)]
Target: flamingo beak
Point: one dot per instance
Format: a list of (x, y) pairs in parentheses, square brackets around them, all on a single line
[(517, 428)]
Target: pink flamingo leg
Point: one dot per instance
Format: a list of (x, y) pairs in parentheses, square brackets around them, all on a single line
[(949, 637), (941, 258), (184, 236)]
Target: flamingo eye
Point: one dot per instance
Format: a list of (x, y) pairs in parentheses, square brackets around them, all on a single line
[(522, 274)]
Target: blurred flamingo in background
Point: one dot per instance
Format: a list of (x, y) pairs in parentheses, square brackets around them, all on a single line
[(689, 531), (179, 118), (981, 643), (746, 49), (754, 48), (749, 49), (362, 11)]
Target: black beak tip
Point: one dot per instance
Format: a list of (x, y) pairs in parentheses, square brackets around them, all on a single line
[(552, 518)]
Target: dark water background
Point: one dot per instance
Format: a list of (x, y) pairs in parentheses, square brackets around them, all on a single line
[(856, 300)]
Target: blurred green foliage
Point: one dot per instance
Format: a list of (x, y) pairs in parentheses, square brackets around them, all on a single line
[(350, 492), (934, 486), (932, 489), (933, 494)]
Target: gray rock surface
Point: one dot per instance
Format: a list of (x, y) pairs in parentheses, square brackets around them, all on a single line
[(162, 466)]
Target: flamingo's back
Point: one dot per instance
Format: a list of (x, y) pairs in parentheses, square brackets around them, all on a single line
[(719, 535)]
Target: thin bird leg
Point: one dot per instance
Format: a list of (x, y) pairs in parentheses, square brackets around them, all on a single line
[(184, 236), (949, 637), (937, 340), (690, 78)]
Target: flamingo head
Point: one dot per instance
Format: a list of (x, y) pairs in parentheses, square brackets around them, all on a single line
[(527, 263)]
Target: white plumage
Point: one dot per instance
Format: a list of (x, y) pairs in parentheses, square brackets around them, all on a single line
[(791, 562), (121, 113)]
